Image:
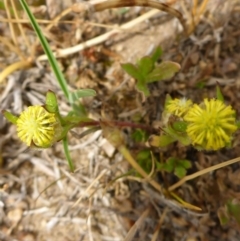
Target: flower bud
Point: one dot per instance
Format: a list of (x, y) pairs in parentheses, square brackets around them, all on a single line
[(36, 126)]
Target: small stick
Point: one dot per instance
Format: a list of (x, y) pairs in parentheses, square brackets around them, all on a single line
[(202, 172), (20, 25), (103, 5), (108, 4), (101, 38), (11, 27)]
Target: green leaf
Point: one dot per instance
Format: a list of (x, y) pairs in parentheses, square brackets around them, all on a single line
[(79, 110), (144, 160), (143, 155), (180, 126), (219, 94), (156, 54), (143, 87), (160, 166), (161, 141), (133, 71), (185, 163), (168, 168), (173, 164), (172, 161), (10, 117), (234, 210), (181, 137), (180, 171), (145, 65), (200, 84), (67, 154), (52, 60), (139, 136), (164, 167), (80, 94), (170, 164), (51, 103), (163, 71)]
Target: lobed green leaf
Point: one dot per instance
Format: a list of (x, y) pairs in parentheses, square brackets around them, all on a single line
[(133, 71), (80, 93), (145, 65), (163, 71), (156, 54)]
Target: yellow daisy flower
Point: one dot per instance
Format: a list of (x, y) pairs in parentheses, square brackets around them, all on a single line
[(37, 126), (211, 124), (178, 107)]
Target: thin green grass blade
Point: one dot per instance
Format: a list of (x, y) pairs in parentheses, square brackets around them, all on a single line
[(67, 154), (52, 60)]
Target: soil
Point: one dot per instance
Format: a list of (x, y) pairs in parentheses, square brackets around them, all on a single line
[(40, 199)]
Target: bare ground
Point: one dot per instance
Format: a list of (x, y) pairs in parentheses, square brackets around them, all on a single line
[(41, 200)]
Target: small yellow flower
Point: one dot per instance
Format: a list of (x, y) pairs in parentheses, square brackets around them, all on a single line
[(211, 124), (37, 126), (178, 107)]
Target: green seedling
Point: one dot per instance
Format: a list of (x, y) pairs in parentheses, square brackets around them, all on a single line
[(147, 71), (177, 166), (144, 160), (174, 165), (231, 211), (233, 208), (139, 135)]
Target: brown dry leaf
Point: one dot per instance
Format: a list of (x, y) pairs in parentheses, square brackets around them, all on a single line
[(39, 201)]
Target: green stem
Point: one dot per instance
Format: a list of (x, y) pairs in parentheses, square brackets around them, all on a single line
[(52, 60), (67, 154)]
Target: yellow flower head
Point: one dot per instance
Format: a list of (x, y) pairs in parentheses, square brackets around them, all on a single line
[(178, 107), (37, 126), (211, 124)]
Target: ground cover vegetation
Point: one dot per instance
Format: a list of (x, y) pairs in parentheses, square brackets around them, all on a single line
[(147, 144)]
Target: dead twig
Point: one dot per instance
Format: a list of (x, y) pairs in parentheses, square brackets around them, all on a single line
[(202, 172), (137, 225), (95, 6)]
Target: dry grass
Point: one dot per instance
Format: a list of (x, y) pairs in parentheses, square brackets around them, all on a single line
[(40, 199)]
